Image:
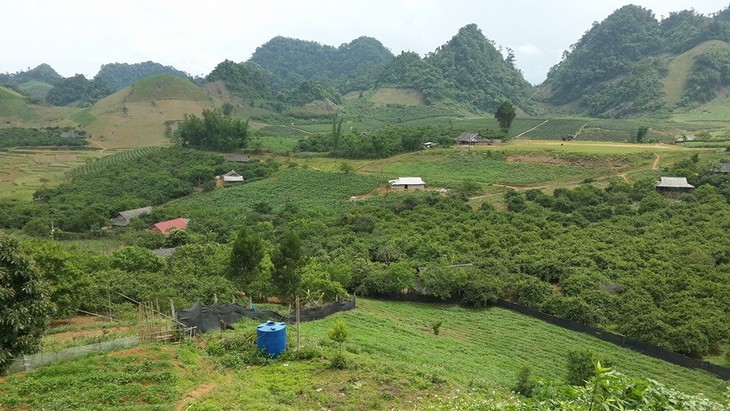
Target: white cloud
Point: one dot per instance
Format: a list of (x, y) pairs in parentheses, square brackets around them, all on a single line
[(528, 50)]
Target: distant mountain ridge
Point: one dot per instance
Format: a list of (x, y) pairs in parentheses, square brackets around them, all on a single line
[(620, 67)]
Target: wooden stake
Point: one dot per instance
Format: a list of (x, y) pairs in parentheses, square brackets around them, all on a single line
[(215, 298), (250, 302), (172, 308), (297, 325)]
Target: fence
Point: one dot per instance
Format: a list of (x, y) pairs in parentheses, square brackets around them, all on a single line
[(31, 362), (205, 318), (620, 340)]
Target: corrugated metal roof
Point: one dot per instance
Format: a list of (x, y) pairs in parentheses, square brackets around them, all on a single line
[(407, 181), (674, 182), (239, 158), (123, 217), (723, 168)]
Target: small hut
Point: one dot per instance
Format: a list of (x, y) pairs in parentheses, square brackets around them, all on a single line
[(471, 139), (123, 218), (407, 183), (238, 158), (674, 187), (228, 178)]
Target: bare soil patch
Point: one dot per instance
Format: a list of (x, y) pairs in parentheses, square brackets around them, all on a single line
[(565, 161), (200, 391), (97, 332)]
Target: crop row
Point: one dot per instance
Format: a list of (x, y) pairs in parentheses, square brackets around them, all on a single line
[(117, 158)]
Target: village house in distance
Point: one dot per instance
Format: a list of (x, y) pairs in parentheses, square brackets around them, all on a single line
[(472, 139), (407, 183), (123, 218), (166, 227), (228, 178), (674, 187)]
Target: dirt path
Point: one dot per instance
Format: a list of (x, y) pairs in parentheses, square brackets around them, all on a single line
[(624, 177), (532, 129), (655, 165), (200, 391)]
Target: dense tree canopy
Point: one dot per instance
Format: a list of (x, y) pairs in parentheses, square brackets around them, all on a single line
[(213, 131), (24, 307)]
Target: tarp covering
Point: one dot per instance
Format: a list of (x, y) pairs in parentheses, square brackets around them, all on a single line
[(208, 318)]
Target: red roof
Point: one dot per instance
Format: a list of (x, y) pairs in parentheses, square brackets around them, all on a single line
[(164, 227)]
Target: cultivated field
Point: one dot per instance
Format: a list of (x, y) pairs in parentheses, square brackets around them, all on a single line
[(23, 171), (394, 362)]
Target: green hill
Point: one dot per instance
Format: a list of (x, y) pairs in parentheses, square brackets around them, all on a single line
[(293, 60), (136, 115), (120, 75), (632, 64), (43, 73), (13, 106), (35, 89), (165, 87)]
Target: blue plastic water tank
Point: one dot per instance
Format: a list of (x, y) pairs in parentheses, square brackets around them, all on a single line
[(271, 338)]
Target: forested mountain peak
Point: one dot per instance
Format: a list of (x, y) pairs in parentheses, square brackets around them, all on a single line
[(619, 67), (294, 61), (43, 73), (120, 75), (478, 73)]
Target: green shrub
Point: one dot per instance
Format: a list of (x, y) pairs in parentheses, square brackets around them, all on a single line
[(580, 367), (525, 384)]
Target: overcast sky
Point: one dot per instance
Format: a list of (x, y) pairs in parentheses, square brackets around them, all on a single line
[(78, 36)]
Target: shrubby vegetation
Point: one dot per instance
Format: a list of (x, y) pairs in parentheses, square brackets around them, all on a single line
[(214, 131), (89, 199), (710, 72), (79, 90), (385, 142), (50, 136), (120, 75)]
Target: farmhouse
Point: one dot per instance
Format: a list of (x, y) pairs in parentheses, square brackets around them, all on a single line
[(471, 139), (124, 217), (407, 183), (722, 168), (674, 186), (228, 178), (165, 227), (238, 158), (569, 137)]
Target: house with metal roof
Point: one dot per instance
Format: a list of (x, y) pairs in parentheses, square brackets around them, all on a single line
[(238, 158), (228, 178), (165, 227), (124, 217), (407, 183), (471, 139), (674, 186)]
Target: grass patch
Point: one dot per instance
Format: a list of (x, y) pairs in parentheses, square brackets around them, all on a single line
[(307, 189), (83, 117)]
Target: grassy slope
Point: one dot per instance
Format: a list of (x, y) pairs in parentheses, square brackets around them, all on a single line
[(22, 172), (13, 106), (36, 88), (149, 102), (395, 361), (679, 69), (402, 96)]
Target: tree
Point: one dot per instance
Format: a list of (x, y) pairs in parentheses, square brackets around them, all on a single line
[(504, 115), (288, 259), (338, 333), (580, 367), (24, 307), (641, 134), (246, 256)]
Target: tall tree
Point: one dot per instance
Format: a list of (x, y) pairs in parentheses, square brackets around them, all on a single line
[(288, 260), (504, 115), (24, 307), (246, 256)]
